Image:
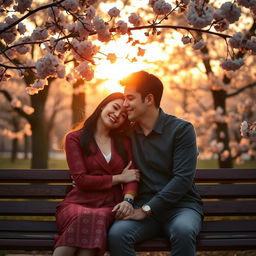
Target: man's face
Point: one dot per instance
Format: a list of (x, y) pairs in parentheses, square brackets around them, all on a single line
[(134, 105)]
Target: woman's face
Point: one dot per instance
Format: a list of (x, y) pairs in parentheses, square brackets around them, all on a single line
[(114, 114)]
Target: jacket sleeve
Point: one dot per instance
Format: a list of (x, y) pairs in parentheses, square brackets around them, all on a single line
[(184, 167), (131, 187), (79, 172)]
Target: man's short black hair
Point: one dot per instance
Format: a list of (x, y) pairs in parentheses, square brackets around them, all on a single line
[(145, 83)]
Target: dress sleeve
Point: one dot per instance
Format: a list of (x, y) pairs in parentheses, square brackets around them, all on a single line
[(131, 187), (78, 169)]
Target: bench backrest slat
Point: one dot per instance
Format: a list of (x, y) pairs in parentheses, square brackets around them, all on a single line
[(37, 192), (202, 175)]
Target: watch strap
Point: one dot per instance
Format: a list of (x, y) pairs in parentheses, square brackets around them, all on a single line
[(129, 200)]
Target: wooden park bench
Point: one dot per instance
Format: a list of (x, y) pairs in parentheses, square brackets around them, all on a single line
[(229, 204)]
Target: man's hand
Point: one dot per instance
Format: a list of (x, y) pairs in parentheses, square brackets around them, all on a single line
[(137, 214), (122, 210)]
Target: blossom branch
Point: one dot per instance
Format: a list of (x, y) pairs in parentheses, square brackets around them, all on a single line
[(7, 95), (241, 89), (224, 36), (29, 14), (91, 33), (16, 67)]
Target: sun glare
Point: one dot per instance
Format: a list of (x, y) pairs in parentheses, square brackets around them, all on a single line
[(112, 73)]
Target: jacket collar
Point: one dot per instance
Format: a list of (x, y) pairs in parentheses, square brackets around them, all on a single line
[(114, 161)]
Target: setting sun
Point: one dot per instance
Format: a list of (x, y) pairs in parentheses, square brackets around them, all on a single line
[(113, 73)]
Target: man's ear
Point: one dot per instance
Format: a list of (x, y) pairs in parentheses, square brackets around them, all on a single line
[(149, 99)]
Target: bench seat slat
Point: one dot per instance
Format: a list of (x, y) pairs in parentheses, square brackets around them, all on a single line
[(230, 208), (50, 226), (48, 208), (26, 244), (28, 225)]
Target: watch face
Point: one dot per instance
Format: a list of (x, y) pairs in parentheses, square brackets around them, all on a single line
[(146, 208)]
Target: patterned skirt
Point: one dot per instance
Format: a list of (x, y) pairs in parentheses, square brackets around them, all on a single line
[(83, 227)]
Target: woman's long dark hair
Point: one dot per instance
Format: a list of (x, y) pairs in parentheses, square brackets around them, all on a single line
[(118, 134)]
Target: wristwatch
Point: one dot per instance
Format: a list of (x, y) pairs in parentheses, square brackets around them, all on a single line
[(129, 200), (146, 209)]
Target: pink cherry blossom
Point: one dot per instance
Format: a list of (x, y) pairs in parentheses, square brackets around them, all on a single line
[(70, 5), (199, 45), (21, 28), (186, 40), (113, 12), (200, 15), (121, 27), (47, 66), (39, 34), (6, 3), (236, 40), (161, 7), (247, 3), (134, 19), (22, 5), (230, 11), (229, 64), (90, 13), (85, 70)]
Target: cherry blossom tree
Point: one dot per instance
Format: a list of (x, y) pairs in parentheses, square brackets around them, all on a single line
[(73, 31)]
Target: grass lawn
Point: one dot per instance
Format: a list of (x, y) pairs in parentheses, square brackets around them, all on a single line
[(25, 163)]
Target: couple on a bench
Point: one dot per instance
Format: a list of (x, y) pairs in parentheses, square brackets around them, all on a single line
[(133, 167)]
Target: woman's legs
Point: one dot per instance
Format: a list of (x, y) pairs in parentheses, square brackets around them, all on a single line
[(64, 251), (85, 252), (71, 251)]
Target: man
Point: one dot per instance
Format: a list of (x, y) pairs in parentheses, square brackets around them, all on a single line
[(165, 152)]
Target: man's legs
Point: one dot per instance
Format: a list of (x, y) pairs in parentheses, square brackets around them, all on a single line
[(125, 233), (182, 228)]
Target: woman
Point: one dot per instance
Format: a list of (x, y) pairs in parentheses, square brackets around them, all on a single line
[(99, 157)]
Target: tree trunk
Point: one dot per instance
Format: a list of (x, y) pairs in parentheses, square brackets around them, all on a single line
[(39, 145), (15, 142), (39, 138), (219, 98), (78, 104), (26, 146), (14, 149)]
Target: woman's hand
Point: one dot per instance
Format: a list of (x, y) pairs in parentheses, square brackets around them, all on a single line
[(122, 210), (129, 175)]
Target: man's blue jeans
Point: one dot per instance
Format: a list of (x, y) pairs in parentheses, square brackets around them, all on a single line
[(181, 226)]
